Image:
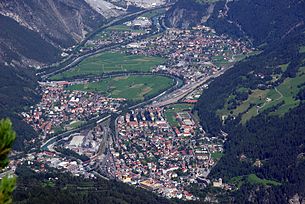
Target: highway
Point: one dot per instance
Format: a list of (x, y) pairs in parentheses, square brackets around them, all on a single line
[(179, 94), (49, 143)]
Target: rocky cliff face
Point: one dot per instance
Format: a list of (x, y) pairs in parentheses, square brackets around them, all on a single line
[(185, 14), (106, 9), (59, 22), (114, 8)]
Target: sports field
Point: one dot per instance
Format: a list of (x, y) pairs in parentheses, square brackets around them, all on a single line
[(133, 88), (172, 110), (109, 62)]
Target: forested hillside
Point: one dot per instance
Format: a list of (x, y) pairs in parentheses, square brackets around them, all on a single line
[(260, 101), (54, 187), (262, 21), (18, 89), (260, 104)]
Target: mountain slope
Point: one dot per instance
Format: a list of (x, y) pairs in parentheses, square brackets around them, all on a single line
[(261, 21), (60, 22), (33, 33), (260, 101), (23, 46), (185, 14)]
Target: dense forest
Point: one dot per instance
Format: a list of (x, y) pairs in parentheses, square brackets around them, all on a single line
[(18, 90), (270, 147), (262, 21), (7, 137)]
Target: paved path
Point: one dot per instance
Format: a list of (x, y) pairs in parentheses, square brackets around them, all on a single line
[(261, 107)]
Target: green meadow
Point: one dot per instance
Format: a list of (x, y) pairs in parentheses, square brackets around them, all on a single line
[(133, 88), (111, 62)]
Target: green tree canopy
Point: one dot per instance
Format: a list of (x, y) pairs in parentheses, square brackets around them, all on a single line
[(7, 137)]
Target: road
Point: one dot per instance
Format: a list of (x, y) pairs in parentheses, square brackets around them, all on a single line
[(49, 143), (178, 94), (104, 161)]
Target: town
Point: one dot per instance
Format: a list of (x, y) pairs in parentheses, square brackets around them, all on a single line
[(61, 109), (158, 147), (150, 153)]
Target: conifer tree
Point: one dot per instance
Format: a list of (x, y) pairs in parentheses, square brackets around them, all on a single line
[(7, 137)]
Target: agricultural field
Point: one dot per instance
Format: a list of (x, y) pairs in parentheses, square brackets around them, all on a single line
[(261, 100), (289, 89), (133, 88), (172, 110), (109, 62)]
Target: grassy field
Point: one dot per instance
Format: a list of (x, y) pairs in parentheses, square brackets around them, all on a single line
[(285, 92), (220, 60), (216, 155), (290, 88), (105, 35), (75, 124), (284, 67), (122, 28), (108, 62), (252, 179), (133, 88), (171, 111)]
